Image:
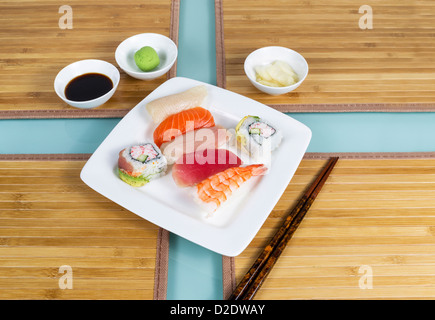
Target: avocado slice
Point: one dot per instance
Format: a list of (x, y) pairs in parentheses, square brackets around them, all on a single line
[(133, 181)]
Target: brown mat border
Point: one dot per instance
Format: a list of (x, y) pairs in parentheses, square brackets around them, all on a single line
[(162, 264), (228, 263), (299, 108), (371, 155), (98, 113), (220, 48), (357, 107), (162, 249), (45, 157)]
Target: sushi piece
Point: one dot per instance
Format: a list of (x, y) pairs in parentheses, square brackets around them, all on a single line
[(161, 108), (197, 140), (257, 137), (195, 167), (139, 164), (182, 122), (215, 190)]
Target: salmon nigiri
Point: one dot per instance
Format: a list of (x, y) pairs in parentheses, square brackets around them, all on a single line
[(217, 189), (182, 122)]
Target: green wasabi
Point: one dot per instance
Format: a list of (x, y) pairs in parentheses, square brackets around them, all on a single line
[(146, 58)]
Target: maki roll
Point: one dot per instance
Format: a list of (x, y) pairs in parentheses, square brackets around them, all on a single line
[(257, 137), (139, 164)]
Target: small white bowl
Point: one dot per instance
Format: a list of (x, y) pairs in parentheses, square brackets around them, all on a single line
[(165, 48), (267, 55), (82, 67)]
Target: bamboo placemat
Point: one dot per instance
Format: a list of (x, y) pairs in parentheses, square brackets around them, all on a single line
[(35, 48), (387, 68), (368, 235), (50, 221)]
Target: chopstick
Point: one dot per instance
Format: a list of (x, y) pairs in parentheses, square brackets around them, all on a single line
[(254, 278)]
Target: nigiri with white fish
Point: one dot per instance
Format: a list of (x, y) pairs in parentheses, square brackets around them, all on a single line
[(163, 107)]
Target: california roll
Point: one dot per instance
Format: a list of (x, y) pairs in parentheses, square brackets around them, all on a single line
[(257, 137), (139, 164)]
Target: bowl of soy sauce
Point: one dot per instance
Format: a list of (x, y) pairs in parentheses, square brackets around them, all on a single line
[(87, 83)]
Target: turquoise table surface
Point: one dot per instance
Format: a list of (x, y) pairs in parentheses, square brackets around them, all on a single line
[(195, 272)]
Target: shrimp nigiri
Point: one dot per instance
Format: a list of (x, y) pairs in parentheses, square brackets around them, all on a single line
[(215, 190)]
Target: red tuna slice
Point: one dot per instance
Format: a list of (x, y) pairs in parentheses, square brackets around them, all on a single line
[(197, 166)]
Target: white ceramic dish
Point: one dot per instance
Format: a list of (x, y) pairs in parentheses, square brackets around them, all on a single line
[(165, 48), (267, 55), (163, 203), (82, 67)]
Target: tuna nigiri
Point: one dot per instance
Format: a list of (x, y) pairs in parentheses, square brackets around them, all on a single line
[(217, 189), (195, 167), (197, 140), (182, 122)]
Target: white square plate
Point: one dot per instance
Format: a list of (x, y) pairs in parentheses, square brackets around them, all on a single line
[(163, 203)]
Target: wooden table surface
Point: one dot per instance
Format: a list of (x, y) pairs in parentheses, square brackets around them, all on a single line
[(35, 48), (50, 218), (390, 67), (376, 213), (368, 235)]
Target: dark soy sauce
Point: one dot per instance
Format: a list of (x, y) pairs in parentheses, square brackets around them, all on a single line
[(88, 86)]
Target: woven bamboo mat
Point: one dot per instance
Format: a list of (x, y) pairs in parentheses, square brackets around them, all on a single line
[(35, 49), (390, 67), (368, 235), (53, 226)]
